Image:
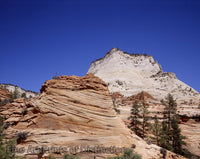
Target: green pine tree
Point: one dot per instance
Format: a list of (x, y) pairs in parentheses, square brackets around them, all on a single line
[(177, 138), (170, 109), (23, 95), (135, 116), (165, 136), (156, 130), (145, 119), (16, 93)]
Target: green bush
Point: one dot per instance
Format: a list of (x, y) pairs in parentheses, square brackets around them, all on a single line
[(23, 95), (137, 156), (6, 125), (24, 111), (67, 156), (6, 145), (128, 154), (21, 137), (51, 157)]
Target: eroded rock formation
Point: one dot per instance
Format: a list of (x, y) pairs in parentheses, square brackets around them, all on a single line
[(73, 111), (130, 74)]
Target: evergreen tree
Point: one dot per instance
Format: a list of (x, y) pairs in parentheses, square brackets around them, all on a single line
[(135, 122), (170, 109), (145, 120), (165, 137), (177, 138), (156, 130), (23, 95), (171, 137), (16, 93)]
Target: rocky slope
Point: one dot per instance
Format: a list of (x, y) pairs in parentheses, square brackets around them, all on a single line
[(140, 77), (4, 94), (131, 74), (12, 88), (73, 111)]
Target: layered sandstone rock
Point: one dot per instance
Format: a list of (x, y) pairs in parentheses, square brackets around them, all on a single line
[(189, 116), (133, 77), (73, 111)]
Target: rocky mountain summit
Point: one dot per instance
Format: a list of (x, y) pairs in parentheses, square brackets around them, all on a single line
[(129, 74)]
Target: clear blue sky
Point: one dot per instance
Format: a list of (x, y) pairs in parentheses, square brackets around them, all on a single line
[(41, 37)]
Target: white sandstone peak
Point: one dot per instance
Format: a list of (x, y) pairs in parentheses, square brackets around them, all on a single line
[(130, 74)]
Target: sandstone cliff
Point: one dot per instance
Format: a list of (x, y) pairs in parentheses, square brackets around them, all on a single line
[(73, 111), (140, 77)]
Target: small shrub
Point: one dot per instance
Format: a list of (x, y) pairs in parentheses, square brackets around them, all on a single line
[(6, 125), (148, 142), (128, 154), (10, 100), (51, 157), (163, 152), (23, 95), (24, 112), (71, 157), (117, 110), (55, 76), (137, 156), (5, 101), (75, 101), (41, 150), (133, 146), (21, 137)]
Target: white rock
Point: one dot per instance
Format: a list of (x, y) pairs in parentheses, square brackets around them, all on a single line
[(131, 74)]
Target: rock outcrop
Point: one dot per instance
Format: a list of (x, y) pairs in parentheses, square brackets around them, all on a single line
[(130, 74), (133, 77), (4, 94), (73, 111), (12, 88)]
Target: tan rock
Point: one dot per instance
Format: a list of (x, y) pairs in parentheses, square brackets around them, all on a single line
[(73, 111), (4, 93)]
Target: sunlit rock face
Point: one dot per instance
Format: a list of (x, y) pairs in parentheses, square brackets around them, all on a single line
[(140, 77), (11, 88), (131, 74), (72, 111)]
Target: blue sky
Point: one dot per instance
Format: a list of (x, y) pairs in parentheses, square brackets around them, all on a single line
[(41, 37)]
